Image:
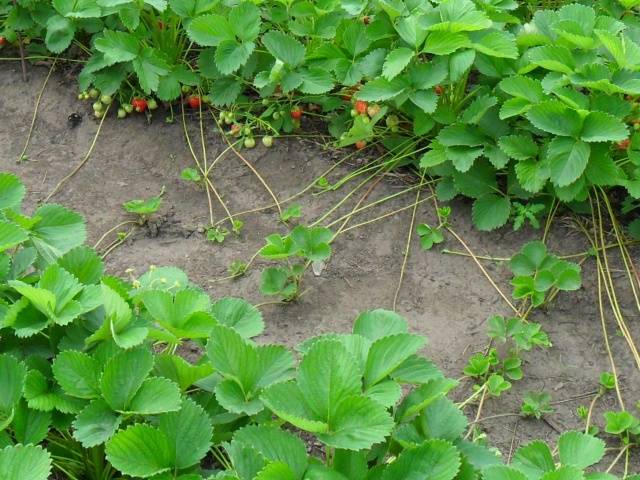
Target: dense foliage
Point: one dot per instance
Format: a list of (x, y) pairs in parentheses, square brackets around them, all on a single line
[(94, 385), (510, 105)]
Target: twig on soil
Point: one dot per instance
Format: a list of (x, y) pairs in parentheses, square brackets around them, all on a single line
[(35, 111), (370, 205), (493, 417), (605, 334), (357, 206), (624, 450), (513, 440), (551, 425), (117, 243), (388, 214), (407, 246), (292, 197), (478, 413), (488, 258), (205, 170), (574, 398), (475, 259), (274, 302), (246, 162), (484, 271), (346, 197), (208, 184), (586, 253), (592, 405), (629, 265), (611, 292), (111, 230), (84, 160)]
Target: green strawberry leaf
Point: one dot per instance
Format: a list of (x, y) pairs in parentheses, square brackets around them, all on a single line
[(491, 211), (24, 462)]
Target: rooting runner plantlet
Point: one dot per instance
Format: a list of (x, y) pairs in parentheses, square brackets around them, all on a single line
[(311, 244), (144, 208), (536, 272)]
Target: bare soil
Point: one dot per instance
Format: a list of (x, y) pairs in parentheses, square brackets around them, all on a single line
[(445, 297)]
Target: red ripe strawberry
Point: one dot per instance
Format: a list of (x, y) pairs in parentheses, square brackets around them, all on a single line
[(438, 89), (624, 144), (296, 113), (139, 104), (360, 144), (361, 107), (3, 41), (194, 101)]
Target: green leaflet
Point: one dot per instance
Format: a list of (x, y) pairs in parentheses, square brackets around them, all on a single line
[(436, 459), (24, 462), (246, 369), (12, 377), (180, 440)]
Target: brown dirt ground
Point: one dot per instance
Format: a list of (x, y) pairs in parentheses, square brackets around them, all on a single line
[(445, 297)]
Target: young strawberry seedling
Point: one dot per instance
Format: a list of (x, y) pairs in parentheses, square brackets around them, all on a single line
[(144, 208)]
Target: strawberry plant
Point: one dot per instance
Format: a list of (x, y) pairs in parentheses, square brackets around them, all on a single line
[(506, 106), (93, 386), (311, 244), (144, 208), (536, 404), (536, 272)]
